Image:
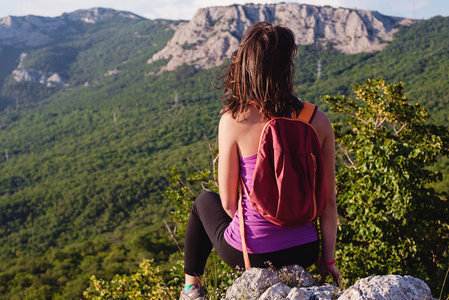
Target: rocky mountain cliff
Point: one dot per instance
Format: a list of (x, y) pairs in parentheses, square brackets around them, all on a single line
[(214, 33)]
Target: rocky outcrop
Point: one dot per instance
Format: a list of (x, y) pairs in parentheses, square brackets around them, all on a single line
[(290, 282), (111, 72), (49, 79), (388, 287), (294, 283), (34, 31), (214, 33), (44, 78)]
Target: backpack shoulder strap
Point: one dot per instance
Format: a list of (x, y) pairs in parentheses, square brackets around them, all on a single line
[(307, 113), (242, 224)]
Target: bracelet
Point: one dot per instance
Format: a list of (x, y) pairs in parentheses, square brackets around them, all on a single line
[(327, 263)]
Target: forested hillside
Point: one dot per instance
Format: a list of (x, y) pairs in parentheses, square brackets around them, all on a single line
[(81, 185), (84, 166)]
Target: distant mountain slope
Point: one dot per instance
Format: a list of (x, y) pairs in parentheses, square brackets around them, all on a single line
[(34, 31), (78, 48), (90, 160), (214, 32)]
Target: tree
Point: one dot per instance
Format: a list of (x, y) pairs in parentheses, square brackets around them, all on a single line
[(392, 220)]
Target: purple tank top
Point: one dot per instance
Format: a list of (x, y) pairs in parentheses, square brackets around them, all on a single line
[(261, 235)]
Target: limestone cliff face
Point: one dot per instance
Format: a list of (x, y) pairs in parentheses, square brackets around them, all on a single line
[(214, 33), (28, 31)]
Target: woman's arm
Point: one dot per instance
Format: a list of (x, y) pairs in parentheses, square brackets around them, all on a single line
[(228, 164), (329, 219)]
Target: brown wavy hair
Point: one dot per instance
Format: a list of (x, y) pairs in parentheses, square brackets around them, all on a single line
[(262, 71)]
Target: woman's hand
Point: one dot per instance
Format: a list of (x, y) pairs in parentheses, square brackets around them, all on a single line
[(332, 271)]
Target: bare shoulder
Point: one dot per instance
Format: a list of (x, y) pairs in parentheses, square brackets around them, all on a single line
[(321, 119), (226, 118), (323, 126), (227, 126), (227, 121)]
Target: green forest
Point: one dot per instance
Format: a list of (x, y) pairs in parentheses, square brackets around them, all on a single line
[(84, 168)]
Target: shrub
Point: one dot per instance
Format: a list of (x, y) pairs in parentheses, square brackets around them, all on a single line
[(392, 220)]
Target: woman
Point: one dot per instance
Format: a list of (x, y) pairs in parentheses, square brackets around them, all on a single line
[(258, 85)]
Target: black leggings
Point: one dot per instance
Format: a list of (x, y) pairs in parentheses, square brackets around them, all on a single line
[(205, 229)]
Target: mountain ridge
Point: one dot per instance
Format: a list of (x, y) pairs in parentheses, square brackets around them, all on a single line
[(35, 31), (211, 36)]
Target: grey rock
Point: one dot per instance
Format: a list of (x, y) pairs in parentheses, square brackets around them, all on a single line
[(111, 72), (388, 287), (257, 283), (44, 78), (214, 33), (295, 275), (252, 284), (279, 291), (55, 80), (264, 284), (298, 294), (23, 56), (324, 292)]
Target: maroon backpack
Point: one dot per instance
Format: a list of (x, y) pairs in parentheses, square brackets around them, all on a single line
[(288, 181)]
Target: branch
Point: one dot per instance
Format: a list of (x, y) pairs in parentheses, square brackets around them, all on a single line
[(348, 165), (204, 187), (185, 185), (214, 159), (377, 120), (400, 129), (348, 157), (172, 236), (211, 148), (377, 125), (360, 119), (191, 163)]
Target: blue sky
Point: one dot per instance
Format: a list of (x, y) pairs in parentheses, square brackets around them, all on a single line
[(185, 9)]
